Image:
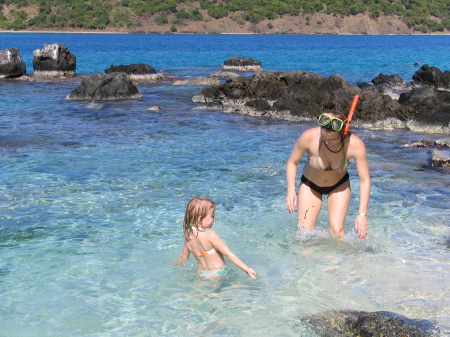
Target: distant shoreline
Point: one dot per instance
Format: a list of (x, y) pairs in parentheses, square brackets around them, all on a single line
[(197, 33), (313, 24)]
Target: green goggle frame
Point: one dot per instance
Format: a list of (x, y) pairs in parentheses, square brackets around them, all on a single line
[(330, 122)]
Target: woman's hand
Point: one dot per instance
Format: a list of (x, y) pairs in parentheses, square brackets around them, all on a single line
[(361, 225), (251, 272), (291, 202)]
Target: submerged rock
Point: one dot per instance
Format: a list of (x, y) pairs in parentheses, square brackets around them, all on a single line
[(198, 81), (439, 159), (114, 86), (11, 64), (340, 323)]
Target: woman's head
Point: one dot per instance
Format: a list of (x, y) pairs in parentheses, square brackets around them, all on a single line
[(196, 211), (332, 120)]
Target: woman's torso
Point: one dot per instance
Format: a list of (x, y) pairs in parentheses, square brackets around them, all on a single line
[(324, 167)]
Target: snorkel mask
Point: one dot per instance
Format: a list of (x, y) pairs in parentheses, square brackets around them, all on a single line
[(332, 123)]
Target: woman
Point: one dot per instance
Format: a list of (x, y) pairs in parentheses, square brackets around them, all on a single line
[(329, 151)]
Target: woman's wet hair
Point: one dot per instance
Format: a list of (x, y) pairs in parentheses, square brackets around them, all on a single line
[(336, 113)]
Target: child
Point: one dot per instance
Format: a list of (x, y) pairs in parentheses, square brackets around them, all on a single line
[(206, 245)]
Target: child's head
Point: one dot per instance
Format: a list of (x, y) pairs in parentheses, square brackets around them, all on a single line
[(196, 210)]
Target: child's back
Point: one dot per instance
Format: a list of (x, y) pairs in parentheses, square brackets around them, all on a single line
[(206, 245)]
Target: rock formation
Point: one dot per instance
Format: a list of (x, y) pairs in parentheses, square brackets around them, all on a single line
[(114, 86), (11, 64), (54, 60)]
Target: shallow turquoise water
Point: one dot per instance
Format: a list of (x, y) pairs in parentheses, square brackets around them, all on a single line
[(92, 198)]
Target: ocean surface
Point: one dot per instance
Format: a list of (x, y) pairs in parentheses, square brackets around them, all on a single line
[(92, 197)]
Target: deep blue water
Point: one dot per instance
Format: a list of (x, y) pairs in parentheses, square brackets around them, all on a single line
[(92, 197)]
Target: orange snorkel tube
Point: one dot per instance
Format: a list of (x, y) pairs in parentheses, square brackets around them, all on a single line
[(350, 114)]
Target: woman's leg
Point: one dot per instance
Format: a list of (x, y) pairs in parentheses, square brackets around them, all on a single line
[(309, 204), (338, 202)]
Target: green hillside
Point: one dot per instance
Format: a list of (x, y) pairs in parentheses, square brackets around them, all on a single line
[(419, 15)]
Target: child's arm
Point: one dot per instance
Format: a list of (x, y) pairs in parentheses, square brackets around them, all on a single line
[(221, 246), (184, 255)]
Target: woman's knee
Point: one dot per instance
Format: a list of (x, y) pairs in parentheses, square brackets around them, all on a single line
[(337, 229)]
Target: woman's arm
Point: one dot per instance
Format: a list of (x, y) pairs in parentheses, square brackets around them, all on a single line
[(300, 148), (222, 247), (362, 166)]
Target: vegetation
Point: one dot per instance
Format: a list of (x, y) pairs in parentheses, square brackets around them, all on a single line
[(420, 15)]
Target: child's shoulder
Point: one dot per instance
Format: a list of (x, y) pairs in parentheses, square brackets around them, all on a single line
[(211, 232)]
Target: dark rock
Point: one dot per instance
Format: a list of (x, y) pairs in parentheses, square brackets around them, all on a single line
[(302, 94), (368, 324), (259, 104), (216, 103), (237, 63), (393, 81), (54, 60), (132, 69), (139, 72), (432, 76), (439, 159), (114, 86), (298, 94), (11, 64), (426, 105)]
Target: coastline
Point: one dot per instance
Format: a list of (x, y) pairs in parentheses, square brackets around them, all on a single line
[(193, 33), (317, 24)]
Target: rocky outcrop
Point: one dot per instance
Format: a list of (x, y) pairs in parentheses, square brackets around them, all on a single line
[(426, 105), (114, 86), (393, 81), (432, 76), (131, 69), (299, 95), (54, 60), (237, 63), (338, 323), (11, 64)]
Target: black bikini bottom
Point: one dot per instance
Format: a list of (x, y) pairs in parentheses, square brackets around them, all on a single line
[(326, 189)]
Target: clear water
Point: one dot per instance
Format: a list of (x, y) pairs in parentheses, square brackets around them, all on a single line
[(92, 197)]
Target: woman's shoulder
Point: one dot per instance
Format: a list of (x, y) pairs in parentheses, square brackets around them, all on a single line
[(356, 143), (310, 134)]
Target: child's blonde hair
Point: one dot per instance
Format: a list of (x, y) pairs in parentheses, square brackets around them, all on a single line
[(196, 211)]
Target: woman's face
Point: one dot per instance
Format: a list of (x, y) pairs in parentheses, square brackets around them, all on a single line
[(330, 135)]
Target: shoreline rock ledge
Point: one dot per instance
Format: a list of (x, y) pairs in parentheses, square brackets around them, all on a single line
[(300, 95)]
